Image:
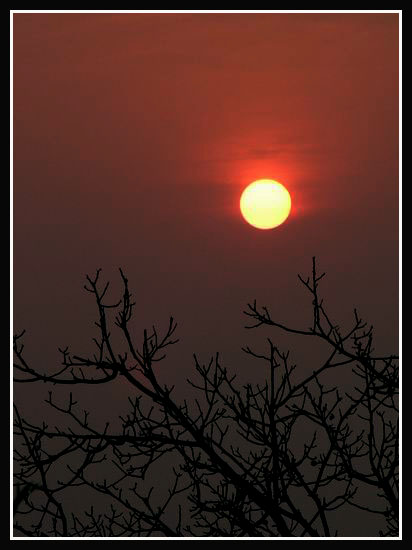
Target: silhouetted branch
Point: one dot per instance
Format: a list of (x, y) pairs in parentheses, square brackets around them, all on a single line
[(271, 459)]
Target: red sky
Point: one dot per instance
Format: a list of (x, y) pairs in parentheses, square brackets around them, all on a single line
[(135, 134)]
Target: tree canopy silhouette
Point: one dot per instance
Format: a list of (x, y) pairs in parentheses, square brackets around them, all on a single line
[(258, 460)]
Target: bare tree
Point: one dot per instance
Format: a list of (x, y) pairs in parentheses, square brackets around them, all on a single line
[(261, 460)]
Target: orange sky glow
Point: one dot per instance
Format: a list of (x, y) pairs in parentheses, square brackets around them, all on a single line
[(135, 135)]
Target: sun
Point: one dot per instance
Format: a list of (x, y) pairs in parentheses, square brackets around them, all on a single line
[(265, 204)]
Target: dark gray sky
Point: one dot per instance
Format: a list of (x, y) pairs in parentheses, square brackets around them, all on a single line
[(134, 136)]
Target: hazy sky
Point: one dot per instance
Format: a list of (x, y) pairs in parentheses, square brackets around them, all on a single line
[(134, 137), (135, 134)]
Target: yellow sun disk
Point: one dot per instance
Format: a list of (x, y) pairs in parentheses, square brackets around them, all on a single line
[(265, 204)]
